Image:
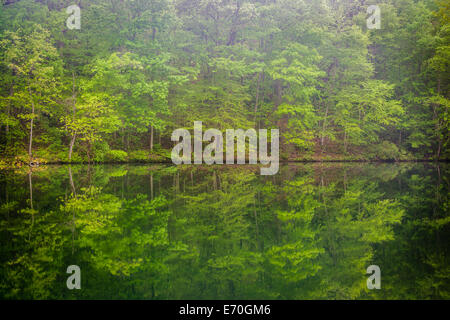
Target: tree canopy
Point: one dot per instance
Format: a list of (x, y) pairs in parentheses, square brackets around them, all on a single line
[(135, 70)]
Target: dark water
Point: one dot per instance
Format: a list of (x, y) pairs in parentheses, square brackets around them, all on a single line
[(205, 232)]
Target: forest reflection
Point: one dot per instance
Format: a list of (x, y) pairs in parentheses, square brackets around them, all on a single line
[(225, 232)]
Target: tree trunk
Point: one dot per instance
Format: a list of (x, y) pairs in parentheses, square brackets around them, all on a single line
[(345, 141), (281, 123), (73, 137), (438, 126), (123, 137), (257, 96), (30, 145), (151, 138), (278, 93), (72, 142), (11, 93), (324, 126)]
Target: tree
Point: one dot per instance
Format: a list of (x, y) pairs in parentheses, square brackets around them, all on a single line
[(36, 67)]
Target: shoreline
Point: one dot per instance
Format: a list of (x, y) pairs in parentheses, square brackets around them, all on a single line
[(8, 165)]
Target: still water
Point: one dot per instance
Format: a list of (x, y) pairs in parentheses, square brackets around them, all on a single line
[(226, 232)]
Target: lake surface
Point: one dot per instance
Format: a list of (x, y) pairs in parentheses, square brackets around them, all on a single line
[(226, 232)]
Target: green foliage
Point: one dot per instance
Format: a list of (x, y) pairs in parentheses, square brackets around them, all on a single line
[(384, 150), (138, 155), (116, 156), (139, 69), (205, 232)]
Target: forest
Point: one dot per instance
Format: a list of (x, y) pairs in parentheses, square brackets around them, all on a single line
[(363, 120), (221, 232), (114, 89)]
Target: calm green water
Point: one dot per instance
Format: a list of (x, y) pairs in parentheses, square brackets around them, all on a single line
[(205, 232)]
